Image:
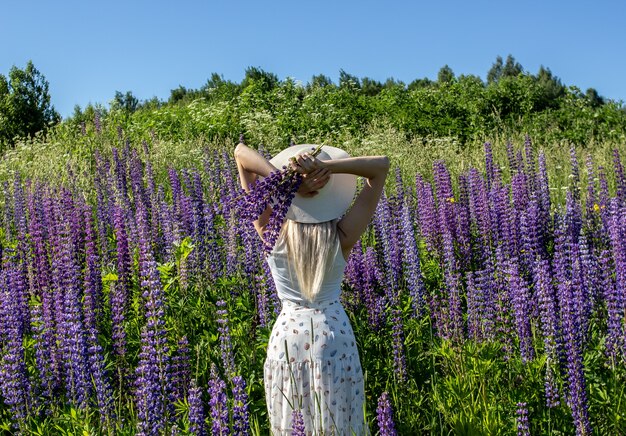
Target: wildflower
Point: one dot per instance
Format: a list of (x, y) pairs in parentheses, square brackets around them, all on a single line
[(196, 410), (241, 417), (384, 416), (522, 420), (297, 424), (217, 404)]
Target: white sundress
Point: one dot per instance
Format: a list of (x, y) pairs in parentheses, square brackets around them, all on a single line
[(312, 360)]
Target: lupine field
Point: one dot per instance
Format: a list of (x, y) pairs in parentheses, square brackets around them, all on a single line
[(137, 304)]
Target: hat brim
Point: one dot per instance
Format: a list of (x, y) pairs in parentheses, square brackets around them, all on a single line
[(332, 201)]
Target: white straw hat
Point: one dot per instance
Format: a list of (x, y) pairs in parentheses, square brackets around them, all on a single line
[(333, 200)]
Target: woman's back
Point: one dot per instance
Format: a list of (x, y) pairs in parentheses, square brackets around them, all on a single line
[(286, 280), (312, 364)]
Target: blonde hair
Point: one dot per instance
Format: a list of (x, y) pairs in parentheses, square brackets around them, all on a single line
[(310, 249)]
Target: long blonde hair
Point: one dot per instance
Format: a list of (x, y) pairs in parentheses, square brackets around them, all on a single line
[(310, 249)]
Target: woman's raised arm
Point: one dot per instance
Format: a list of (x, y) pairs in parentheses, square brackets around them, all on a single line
[(355, 221), (250, 165)]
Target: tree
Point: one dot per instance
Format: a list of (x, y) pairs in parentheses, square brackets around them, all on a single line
[(594, 99), (445, 75), (499, 70), (370, 87), (551, 89), (25, 107), (177, 94), (420, 83), (347, 80), (320, 81), (125, 102), (266, 81)]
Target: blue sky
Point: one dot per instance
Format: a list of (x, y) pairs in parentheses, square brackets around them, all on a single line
[(88, 50)]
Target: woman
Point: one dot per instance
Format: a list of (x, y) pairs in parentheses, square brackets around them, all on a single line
[(312, 369)]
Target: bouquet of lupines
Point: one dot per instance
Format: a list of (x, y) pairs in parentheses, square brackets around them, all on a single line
[(277, 190)]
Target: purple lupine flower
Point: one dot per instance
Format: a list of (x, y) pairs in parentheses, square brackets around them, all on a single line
[(252, 203), (285, 196), (16, 389), (153, 370), (229, 186), (445, 197), (531, 165), (384, 416), (121, 194), (19, 215), (70, 324), (400, 189), (213, 262), (474, 302), (270, 287), (479, 213), (549, 324), (591, 202), (399, 356), (136, 180), (522, 420), (97, 122), (51, 218), (297, 424), (462, 222), (103, 204), (551, 387), (615, 300), (502, 215), (241, 416), (587, 269), (569, 312), (91, 308), (181, 371), (93, 281), (387, 245), (544, 199), (411, 261), (504, 316), (520, 299), (200, 228), (228, 358), (263, 283), (427, 215), (166, 222), (529, 239), (197, 425), (120, 288), (42, 316), (454, 319), (614, 303), (520, 191), (603, 195), (372, 278), (484, 301), (252, 260), (514, 164), (229, 236), (178, 221), (217, 404)]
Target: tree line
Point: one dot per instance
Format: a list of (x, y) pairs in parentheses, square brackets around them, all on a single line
[(464, 107)]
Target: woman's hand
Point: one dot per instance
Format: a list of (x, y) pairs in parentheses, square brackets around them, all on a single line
[(305, 163), (314, 181)]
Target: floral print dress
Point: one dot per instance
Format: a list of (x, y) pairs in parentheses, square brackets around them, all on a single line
[(312, 363)]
